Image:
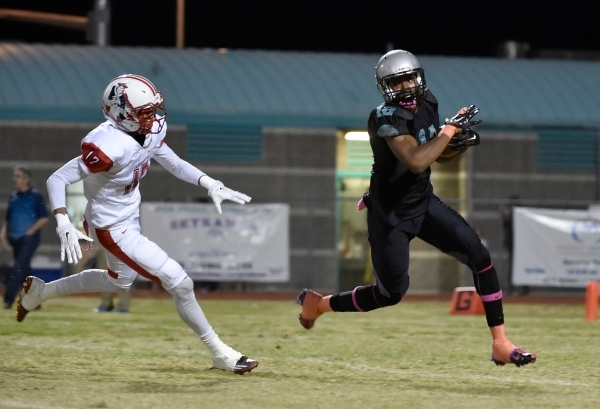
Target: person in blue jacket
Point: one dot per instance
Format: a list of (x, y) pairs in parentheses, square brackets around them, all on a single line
[(25, 217)]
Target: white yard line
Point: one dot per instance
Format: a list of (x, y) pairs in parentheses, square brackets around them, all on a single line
[(4, 403)]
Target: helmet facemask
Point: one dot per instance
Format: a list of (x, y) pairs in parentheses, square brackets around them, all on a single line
[(407, 97), (146, 115)]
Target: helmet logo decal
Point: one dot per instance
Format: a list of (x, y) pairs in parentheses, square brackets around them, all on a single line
[(117, 96)]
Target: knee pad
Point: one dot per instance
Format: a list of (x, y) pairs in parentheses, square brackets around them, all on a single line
[(184, 287), (479, 257), (370, 298), (387, 301), (474, 254), (122, 282), (392, 296), (171, 274)]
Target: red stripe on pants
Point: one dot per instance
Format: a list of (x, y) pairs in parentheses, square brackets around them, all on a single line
[(109, 244)]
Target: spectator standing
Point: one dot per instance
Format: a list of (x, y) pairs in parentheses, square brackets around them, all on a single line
[(25, 217)]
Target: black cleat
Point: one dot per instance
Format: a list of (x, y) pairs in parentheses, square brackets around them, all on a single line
[(517, 357), (244, 364)]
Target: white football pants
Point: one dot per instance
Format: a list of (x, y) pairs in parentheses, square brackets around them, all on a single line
[(129, 253)]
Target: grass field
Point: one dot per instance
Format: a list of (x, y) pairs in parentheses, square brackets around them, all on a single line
[(414, 355)]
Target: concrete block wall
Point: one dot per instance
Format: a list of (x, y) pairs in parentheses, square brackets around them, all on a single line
[(505, 164)]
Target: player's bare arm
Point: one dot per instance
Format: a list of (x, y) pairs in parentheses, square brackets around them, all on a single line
[(450, 154), (419, 157)]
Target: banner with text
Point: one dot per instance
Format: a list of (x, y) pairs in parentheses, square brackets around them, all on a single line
[(556, 248), (245, 243)]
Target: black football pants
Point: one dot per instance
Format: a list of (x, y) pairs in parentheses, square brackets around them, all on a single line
[(440, 226)]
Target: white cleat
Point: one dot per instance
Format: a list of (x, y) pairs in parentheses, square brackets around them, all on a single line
[(228, 359), (30, 297)]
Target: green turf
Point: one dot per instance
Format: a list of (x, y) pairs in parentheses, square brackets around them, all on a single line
[(414, 355)]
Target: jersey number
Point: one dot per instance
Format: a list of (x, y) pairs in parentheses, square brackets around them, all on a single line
[(95, 160), (431, 132), (138, 173), (91, 158)]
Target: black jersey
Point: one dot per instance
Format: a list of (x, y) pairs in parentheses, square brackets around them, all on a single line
[(395, 192)]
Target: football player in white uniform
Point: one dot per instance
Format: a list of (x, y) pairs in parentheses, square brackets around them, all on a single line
[(114, 158)]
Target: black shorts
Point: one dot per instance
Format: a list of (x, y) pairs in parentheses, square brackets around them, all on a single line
[(441, 226)]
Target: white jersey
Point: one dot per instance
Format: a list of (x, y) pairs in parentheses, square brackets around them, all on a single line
[(111, 165), (116, 164)]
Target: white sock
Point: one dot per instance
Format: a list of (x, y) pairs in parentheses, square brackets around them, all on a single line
[(190, 312), (88, 281), (218, 347)]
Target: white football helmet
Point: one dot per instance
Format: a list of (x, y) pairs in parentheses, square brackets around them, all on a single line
[(400, 63), (128, 99)]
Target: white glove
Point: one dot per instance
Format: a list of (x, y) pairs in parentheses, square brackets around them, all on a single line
[(69, 239), (218, 192)]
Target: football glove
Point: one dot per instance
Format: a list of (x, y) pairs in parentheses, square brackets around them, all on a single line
[(464, 121), (69, 239), (218, 192), (468, 138)]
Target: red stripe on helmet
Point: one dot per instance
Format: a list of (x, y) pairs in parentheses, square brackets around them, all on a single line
[(145, 81)]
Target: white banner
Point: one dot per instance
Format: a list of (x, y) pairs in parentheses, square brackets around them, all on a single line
[(556, 248), (245, 243)]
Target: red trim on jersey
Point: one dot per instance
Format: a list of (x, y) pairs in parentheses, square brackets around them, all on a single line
[(161, 143), (109, 244), (113, 274), (95, 160)]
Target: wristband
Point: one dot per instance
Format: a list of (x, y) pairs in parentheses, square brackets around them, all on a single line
[(455, 130)]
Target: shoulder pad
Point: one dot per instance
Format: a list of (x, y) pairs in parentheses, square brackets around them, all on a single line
[(390, 110), (94, 158), (102, 147), (431, 99), (384, 110)]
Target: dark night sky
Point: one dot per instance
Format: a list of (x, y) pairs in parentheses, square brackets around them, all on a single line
[(443, 27)]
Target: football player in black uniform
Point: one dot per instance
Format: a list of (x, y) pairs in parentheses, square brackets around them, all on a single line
[(406, 139)]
